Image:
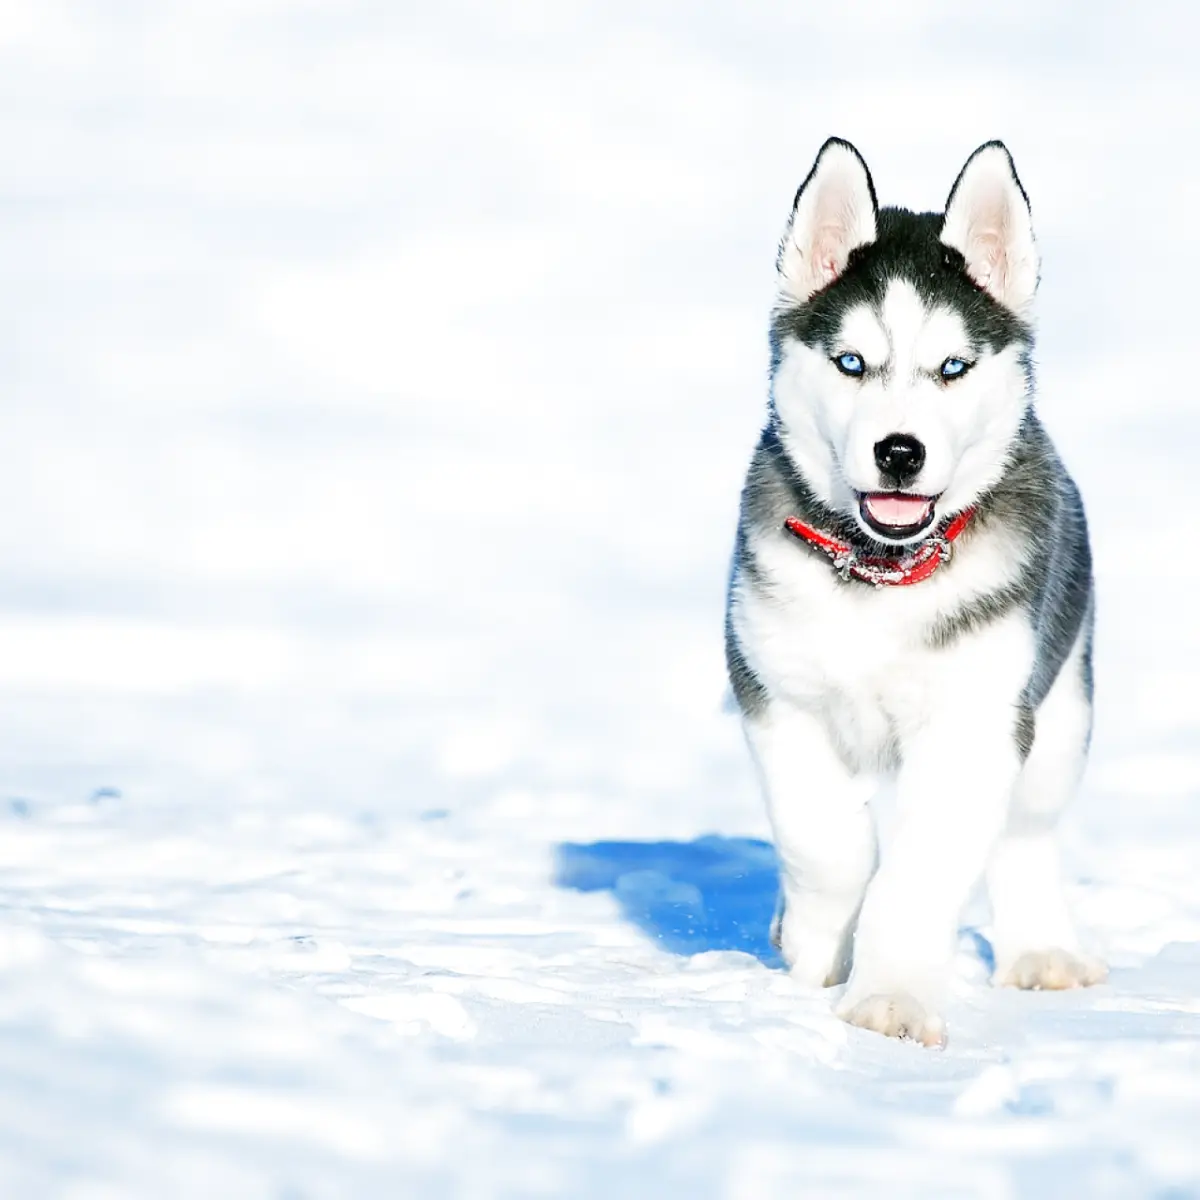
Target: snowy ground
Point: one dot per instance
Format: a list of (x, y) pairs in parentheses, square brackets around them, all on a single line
[(377, 381)]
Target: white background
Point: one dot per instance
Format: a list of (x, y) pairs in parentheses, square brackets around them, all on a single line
[(377, 381)]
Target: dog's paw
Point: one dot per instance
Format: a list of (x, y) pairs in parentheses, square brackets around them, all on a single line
[(897, 1015), (813, 958), (1052, 971)]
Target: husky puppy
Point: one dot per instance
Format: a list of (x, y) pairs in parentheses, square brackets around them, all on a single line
[(911, 595)]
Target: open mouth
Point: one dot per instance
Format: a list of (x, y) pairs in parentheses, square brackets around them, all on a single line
[(896, 515)]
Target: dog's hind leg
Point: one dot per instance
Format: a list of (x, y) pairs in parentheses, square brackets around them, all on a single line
[(825, 837), (1035, 940), (776, 934)]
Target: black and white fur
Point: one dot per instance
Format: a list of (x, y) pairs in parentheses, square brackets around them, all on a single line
[(972, 688)]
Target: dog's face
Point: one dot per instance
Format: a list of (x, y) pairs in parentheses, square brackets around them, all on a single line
[(901, 341)]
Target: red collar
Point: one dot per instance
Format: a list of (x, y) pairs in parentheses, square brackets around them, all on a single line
[(885, 572)]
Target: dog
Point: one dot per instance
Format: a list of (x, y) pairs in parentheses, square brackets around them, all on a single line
[(911, 596)]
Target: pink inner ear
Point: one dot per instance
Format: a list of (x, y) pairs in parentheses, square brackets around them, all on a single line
[(986, 264), (829, 256)]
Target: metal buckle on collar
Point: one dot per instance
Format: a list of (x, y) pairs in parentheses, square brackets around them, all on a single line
[(849, 564)]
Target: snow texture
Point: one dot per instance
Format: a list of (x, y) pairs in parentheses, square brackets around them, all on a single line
[(377, 384)]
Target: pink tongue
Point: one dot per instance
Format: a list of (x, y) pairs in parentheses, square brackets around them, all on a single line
[(898, 510)]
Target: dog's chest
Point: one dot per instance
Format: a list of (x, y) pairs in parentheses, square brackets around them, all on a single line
[(858, 655), (822, 641)]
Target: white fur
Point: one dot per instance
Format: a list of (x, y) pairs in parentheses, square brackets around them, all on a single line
[(834, 213), (858, 693), (988, 222), (958, 767), (825, 836), (1034, 938), (853, 651), (831, 421)]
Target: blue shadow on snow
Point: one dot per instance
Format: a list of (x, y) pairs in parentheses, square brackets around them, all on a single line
[(714, 893)]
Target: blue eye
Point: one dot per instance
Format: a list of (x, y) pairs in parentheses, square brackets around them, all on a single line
[(953, 367), (849, 364)]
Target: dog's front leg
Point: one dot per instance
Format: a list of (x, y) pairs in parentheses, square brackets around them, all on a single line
[(953, 793), (825, 837)]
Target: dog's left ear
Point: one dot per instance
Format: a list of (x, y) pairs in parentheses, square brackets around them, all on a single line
[(987, 221)]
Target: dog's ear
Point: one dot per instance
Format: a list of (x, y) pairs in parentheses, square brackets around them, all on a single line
[(987, 221), (834, 211)]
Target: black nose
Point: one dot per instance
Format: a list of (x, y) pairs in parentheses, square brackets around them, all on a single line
[(899, 456)]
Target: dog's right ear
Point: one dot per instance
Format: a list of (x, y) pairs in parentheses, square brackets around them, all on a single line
[(834, 212)]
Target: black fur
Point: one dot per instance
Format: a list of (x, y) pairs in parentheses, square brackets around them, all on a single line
[(907, 246), (748, 691), (1037, 497)]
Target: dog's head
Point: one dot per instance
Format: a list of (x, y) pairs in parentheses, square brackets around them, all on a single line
[(901, 341)]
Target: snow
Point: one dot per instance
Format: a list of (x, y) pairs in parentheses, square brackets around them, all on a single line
[(378, 380)]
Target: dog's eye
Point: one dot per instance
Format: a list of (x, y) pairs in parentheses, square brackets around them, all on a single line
[(849, 364), (952, 368)]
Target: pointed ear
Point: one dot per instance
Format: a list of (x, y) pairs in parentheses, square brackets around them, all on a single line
[(987, 221), (834, 212)]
